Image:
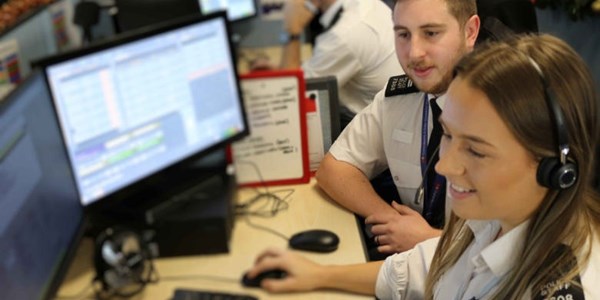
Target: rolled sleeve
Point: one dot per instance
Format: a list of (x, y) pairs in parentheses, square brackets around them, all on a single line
[(361, 143)]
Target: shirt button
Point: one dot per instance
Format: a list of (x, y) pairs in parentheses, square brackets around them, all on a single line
[(396, 178)]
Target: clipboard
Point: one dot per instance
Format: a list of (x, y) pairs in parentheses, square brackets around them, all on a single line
[(276, 151)]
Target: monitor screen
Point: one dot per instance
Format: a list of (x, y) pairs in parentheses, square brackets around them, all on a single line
[(138, 105), (40, 214), (236, 9)]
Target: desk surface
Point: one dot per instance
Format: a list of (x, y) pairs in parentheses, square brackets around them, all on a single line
[(309, 208)]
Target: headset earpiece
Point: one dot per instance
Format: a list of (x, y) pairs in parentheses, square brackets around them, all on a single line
[(555, 172), (551, 173), (123, 262)]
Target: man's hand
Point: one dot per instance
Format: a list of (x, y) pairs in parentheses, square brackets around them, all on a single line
[(261, 63), (296, 16), (401, 231)]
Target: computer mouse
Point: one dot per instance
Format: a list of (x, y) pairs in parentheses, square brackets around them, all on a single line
[(255, 282), (316, 240)]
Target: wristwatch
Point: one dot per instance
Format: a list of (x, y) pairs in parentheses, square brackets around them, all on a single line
[(286, 38)]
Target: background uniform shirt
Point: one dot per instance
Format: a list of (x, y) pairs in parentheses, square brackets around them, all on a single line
[(387, 133), (358, 49)]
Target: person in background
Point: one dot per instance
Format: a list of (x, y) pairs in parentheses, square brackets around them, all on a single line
[(356, 46), (398, 130), (520, 129)]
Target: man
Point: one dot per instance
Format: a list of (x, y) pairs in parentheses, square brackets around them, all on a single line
[(357, 47), (430, 37)]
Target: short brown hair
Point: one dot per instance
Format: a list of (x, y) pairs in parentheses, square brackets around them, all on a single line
[(462, 10)]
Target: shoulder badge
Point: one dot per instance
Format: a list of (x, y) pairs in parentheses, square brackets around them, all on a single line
[(400, 85), (564, 291)]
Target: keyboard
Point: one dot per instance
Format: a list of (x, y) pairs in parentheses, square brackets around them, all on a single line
[(186, 294)]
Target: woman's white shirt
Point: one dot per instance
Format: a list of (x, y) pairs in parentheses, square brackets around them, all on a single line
[(476, 274)]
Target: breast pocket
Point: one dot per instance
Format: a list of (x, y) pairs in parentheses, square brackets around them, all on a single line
[(405, 174), (403, 159)]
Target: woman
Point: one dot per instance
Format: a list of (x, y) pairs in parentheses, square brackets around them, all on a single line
[(524, 224)]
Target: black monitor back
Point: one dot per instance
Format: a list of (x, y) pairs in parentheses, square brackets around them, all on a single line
[(41, 219), (133, 14)]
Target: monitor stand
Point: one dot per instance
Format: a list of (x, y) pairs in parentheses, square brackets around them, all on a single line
[(197, 220)]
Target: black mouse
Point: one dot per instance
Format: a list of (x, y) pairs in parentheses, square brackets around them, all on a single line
[(316, 240), (255, 282)]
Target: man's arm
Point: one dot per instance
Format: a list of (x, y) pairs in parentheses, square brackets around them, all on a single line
[(295, 18), (290, 58), (350, 188)]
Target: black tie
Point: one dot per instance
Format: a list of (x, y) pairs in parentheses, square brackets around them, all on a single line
[(315, 28), (434, 214), (436, 132)]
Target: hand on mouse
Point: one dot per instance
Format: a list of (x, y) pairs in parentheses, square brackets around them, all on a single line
[(302, 274), (401, 231)]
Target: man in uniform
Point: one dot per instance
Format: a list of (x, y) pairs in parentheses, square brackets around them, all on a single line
[(395, 130), (357, 47)]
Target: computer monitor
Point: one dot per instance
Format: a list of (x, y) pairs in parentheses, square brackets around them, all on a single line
[(41, 219), (137, 111), (325, 91), (236, 9), (134, 14)]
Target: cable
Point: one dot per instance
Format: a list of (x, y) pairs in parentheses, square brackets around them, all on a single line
[(264, 204)]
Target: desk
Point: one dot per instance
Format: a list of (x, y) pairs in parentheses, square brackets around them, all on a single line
[(309, 208)]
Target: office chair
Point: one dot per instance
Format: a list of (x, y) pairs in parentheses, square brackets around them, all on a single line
[(87, 14)]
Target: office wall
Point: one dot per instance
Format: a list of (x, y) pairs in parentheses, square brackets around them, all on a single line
[(583, 36), (36, 38)]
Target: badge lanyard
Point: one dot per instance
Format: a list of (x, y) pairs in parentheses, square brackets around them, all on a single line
[(439, 180)]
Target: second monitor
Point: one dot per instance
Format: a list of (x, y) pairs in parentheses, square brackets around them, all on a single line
[(133, 14)]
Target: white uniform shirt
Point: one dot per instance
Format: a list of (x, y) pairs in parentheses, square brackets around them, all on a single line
[(477, 272), (387, 133), (358, 50)]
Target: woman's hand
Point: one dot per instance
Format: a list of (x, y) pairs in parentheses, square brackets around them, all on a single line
[(302, 274)]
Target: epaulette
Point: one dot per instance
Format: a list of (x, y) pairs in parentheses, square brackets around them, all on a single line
[(400, 85), (561, 290)]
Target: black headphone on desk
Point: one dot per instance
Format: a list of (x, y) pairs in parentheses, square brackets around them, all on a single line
[(123, 262), (555, 172)]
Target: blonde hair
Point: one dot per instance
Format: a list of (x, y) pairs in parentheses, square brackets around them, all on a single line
[(570, 217)]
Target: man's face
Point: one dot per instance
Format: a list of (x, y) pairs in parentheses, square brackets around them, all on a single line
[(430, 41)]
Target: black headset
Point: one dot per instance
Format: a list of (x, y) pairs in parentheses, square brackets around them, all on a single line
[(556, 173), (123, 262)]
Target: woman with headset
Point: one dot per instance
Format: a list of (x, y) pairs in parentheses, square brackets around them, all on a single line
[(520, 130)]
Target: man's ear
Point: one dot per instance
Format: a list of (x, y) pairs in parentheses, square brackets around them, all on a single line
[(472, 30)]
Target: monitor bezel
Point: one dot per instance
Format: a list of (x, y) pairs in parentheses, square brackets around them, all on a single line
[(256, 12), (64, 263), (126, 193)]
